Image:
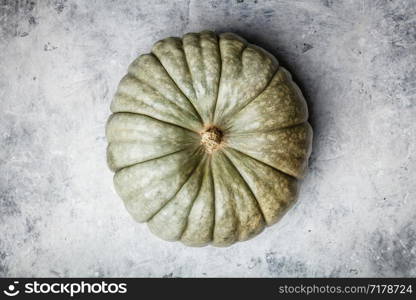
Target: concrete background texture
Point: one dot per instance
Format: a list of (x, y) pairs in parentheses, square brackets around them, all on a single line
[(60, 63)]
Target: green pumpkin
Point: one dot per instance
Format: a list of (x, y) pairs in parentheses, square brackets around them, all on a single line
[(208, 138)]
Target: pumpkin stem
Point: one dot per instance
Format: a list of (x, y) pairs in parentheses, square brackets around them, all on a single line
[(211, 139)]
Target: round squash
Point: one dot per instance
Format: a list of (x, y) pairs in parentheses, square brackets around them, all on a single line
[(208, 138)]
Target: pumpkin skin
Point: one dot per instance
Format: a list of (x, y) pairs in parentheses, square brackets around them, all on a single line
[(208, 138)]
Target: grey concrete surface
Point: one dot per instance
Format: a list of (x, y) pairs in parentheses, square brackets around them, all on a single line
[(60, 63)]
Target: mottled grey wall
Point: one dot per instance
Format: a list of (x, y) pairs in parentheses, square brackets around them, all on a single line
[(60, 63)]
